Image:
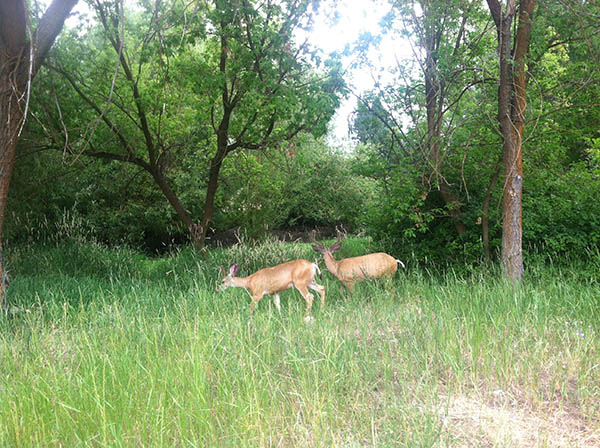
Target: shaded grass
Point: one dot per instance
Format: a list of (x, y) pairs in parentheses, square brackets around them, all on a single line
[(109, 348)]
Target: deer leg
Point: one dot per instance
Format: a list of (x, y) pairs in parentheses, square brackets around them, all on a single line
[(255, 299), (307, 296), (320, 289), (349, 284), (276, 301)]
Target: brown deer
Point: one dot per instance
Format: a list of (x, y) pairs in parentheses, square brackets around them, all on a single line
[(298, 273), (356, 269)]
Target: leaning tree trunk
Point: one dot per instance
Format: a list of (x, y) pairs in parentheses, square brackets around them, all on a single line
[(173, 200), (11, 118)]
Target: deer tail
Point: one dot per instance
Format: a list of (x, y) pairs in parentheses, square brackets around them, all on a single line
[(317, 270), (401, 264)]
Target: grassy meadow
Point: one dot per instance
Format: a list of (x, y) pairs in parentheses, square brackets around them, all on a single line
[(104, 347)]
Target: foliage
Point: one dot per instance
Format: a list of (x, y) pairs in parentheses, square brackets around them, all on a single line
[(113, 202), (387, 183), (562, 212), (413, 215), (304, 184), (182, 95)]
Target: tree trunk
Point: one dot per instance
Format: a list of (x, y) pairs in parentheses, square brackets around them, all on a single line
[(12, 45), (11, 117), (511, 202), (453, 207), (209, 203), (213, 174), (176, 203), (511, 106), (512, 243)]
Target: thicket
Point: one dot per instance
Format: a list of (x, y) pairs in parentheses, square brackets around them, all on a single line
[(382, 184)]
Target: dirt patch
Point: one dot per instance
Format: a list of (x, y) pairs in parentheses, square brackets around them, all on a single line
[(470, 422)]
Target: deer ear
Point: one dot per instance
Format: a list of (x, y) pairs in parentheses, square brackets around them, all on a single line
[(234, 269), (317, 249)]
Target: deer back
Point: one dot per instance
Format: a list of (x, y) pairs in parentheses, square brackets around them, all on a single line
[(366, 266), (281, 277)]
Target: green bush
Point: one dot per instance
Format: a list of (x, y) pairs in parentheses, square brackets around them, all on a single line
[(561, 213)]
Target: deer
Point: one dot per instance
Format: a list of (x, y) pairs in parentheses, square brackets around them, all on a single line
[(356, 269), (299, 274)]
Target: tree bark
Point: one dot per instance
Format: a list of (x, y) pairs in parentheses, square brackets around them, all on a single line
[(229, 101), (512, 245), (209, 203), (20, 60), (512, 258), (172, 198)]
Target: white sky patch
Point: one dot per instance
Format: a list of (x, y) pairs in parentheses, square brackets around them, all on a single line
[(353, 19)]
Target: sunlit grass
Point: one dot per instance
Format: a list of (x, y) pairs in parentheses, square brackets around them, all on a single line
[(109, 348)]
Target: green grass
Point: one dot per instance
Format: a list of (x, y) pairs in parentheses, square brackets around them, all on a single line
[(111, 348)]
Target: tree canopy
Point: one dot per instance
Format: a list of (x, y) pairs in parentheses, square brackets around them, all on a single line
[(175, 92)]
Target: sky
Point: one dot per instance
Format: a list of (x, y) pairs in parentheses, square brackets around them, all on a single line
[(354, 18)]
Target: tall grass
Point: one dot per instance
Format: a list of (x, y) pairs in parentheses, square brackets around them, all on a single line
[(111, 348)]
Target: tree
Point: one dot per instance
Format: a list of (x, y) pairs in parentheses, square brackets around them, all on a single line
[(429, 112), (512, 102), (440, 34), (262, 89), (22, 52), (232, 79), (461, 95)]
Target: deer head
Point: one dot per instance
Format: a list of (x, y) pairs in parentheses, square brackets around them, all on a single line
[(228, 277), (319, 247)]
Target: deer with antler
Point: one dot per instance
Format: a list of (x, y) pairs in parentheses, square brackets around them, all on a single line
[(299, 274), (355, 269)]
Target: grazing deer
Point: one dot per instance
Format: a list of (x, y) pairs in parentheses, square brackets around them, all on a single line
[(298, 273), (356, 269)]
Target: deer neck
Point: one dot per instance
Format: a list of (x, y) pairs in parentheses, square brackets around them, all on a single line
[(331, 263), (241, 282)]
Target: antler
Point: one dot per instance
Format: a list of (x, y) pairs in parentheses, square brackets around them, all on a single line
[(317, 247), (313, 240), (338, 243)]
